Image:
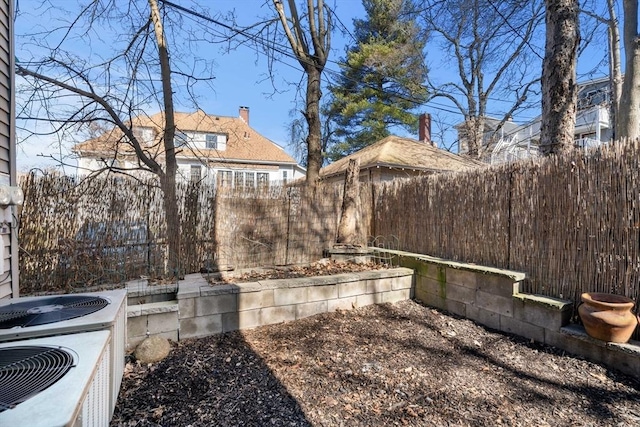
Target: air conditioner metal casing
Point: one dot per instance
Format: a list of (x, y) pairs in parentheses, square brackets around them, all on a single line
[(81, 397), (112, 318)]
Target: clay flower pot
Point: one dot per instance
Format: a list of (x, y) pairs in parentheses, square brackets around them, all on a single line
[(607, 317)]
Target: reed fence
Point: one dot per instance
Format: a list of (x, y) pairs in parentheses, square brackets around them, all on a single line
[(77, 234), (571, 222)]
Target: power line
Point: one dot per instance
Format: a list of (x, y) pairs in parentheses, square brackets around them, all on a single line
[(285, 51)]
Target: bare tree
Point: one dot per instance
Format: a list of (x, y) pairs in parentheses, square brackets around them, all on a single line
[(489, 46), (628, 118), (310, 38), (559, 88), (80, 93)]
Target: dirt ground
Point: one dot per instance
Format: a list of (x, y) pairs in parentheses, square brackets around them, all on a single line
[(386, 365)]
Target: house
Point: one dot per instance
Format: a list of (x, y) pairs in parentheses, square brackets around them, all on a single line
[(397, 157), (210, 148), (8, 178), (512, 142)]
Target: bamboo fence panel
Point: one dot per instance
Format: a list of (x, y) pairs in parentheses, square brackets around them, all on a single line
[(572, 222)]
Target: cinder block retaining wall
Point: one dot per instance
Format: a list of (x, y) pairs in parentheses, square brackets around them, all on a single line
[(201, 309), (492, 297)]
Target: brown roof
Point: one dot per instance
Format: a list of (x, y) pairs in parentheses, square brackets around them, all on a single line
[(397, 152), (243, 142)]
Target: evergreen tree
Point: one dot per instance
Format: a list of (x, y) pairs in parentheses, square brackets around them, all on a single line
[(381, 78)]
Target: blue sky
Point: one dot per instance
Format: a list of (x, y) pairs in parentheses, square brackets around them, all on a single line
[(241, 77)]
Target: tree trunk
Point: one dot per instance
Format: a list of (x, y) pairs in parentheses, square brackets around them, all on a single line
[(628, 123), (559, 92), (168, 178), (350, 203), (312, 115)]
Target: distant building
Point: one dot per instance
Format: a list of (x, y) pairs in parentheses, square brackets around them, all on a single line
[(512, 142), (396, 157), (209, 148)]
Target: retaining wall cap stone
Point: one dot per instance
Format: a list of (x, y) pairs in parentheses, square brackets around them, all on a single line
[(549, 302), (517, 276)]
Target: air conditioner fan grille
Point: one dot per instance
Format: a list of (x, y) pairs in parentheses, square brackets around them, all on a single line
[(42, 311), (28, 370)]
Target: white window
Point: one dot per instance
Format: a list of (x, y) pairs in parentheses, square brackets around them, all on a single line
[(249, 180), (224, 178), (284, 176), (196, 172), (216, 141), (238, 179), (263, 180)]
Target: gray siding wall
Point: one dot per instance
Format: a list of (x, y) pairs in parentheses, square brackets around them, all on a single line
[(9, 277)]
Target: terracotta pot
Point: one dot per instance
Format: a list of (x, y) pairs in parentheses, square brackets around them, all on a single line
[(607, 317)]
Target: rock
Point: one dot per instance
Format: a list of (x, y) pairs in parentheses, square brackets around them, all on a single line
[(152, 349)]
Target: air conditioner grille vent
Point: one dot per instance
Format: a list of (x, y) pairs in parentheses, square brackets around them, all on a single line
[(49, 310), (28, 370)]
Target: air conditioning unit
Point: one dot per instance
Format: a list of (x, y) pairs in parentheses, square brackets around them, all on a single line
[(56, 381), (34, 317)]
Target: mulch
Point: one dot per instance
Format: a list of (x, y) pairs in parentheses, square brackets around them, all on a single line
[(398, 364)]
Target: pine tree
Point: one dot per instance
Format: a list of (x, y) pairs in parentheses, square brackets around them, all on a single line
[(381, 78)]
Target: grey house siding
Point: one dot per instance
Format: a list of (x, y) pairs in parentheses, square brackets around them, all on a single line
[(8, 279)]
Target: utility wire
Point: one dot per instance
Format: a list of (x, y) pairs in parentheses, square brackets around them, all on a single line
[(285, 51)]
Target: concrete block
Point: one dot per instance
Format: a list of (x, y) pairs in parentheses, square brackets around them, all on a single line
[(460, 293), (216, 304), (187, 307), (203, 326), (285, 313), (489, 319), (589, 350), (288, 296), (378, 285), (622, 361), (456, 307), (465, 278), (163, 322), (253, 300), (495, 303), (230, 321), (350, 289), (207, 291), (369, 299), (432, 300), (425, 268), (432, 286), (547, 316), (497, 285), (342, 304), (514, 326), (248, 319), (310, 309), (322, 293), (170, 335), (401, 282), (137, 326), (396, 296)]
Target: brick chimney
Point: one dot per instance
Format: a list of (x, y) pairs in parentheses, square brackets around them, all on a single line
[(424, 129), (244, 114)]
